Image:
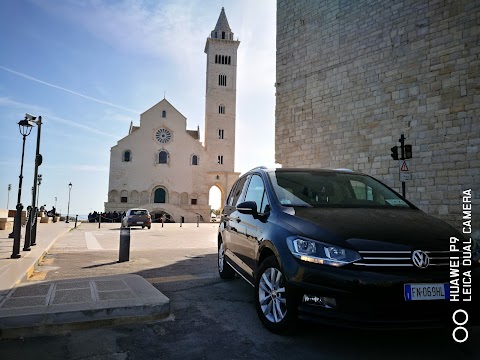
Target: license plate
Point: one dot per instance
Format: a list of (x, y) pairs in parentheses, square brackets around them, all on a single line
[(426, 291), (139, 222)]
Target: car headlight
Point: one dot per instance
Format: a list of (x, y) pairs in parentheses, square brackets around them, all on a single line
[(321, 253)]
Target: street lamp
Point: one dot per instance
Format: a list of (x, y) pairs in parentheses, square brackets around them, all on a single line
[(8, 194), (68, 209), (55, 211), (25, 128), (31, 227)]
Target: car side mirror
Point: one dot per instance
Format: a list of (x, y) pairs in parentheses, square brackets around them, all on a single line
[(248, 207)]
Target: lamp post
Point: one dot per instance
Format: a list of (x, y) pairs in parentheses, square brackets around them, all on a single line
[(68, 209), (25, 128), (55, 212), (31, 227), (39, 182), (8, 194)]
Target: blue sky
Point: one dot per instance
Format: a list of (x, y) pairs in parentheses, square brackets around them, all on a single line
[(90, 67)]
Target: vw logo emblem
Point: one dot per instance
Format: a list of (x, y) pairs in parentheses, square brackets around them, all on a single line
[(420, 259)]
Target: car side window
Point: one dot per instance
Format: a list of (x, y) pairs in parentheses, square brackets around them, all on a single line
[(238, 191), (256, 192)]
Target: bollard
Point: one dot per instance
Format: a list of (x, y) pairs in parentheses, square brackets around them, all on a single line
[(198, 220), (181, 221), (99, 220), (76, 218), (124, 253)]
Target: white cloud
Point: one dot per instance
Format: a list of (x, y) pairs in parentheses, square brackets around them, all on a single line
[(160, 29)]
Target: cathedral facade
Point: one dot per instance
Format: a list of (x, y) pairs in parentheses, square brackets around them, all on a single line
[(164, 167)]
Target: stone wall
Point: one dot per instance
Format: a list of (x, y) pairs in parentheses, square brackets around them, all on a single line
[(353, 75)]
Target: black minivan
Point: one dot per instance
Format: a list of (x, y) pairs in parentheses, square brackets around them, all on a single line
[(338, 247)]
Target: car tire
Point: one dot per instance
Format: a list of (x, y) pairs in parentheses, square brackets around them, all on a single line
[(149, 227), (275, 307), (224, 269)]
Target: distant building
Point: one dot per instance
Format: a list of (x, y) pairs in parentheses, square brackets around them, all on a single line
[(352, 76), (162, 166)]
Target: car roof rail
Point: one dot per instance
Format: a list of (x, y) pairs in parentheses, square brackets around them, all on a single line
[(259, 167)]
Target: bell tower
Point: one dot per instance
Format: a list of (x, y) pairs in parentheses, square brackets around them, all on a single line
[(221, 94)]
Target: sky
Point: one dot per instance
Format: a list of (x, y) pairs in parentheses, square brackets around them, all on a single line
[(90, 67)]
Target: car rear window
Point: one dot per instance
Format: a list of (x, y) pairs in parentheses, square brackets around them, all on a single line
[(139, 212)]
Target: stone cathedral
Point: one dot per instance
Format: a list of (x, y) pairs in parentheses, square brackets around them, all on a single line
[(164, 167)]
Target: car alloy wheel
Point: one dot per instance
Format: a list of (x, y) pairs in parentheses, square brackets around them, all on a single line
[(271, 295), (224, 269), (275, 308)]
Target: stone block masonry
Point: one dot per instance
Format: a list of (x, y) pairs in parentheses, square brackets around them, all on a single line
[(353, 75)]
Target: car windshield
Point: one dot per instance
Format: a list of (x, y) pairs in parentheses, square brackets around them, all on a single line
[(332, 189)]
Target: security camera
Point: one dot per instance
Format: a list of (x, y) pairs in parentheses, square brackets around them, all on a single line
[(29, 117)]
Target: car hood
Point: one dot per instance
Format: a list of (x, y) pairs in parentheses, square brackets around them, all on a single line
[(371, 229)]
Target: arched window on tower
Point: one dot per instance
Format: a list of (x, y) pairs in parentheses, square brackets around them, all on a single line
[(221, 109), (160, 196), (164, 114), (127, 155), (163, 157), (223, 34), (194, 160), (216, 35), (229, 60)]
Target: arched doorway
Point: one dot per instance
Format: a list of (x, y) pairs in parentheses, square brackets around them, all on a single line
[(160, 196), (215, 199)]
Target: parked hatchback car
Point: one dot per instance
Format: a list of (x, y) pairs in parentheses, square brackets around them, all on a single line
[(338, 247), (137, 217)]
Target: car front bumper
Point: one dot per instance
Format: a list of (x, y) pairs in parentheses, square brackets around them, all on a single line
[(372, 299)]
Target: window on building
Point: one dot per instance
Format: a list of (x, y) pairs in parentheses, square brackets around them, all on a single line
[(229, 60), (160, 196), (223, 34), (220, 159), (220, 134), (163, 157), (123, 199), (164, 114), (194, 201), (216, 35), (222, 80), (221, 109), (126, 156), (194, 160)]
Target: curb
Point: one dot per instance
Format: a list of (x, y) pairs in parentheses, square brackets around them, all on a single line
[(22, 315)]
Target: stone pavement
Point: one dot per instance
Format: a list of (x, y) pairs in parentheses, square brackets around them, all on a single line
[(13, 271), (52, 306)]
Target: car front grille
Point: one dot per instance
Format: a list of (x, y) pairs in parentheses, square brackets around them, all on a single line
[(400, 258)]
